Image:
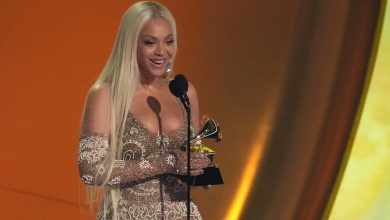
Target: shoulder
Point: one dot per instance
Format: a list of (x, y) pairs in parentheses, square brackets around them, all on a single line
[(99, 94), (98, 100), (97, 110), (192, 91)]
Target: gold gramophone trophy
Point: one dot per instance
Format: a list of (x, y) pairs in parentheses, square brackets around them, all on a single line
[(211, 174)]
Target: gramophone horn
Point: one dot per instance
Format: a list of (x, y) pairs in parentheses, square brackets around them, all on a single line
[(210, 130)]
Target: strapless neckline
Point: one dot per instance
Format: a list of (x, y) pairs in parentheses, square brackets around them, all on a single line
[(173, 132)]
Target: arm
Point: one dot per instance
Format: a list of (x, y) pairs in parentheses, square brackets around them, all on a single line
[(192, 95), (94, 148)]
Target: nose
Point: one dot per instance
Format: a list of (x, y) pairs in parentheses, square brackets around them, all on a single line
[(160, 50)]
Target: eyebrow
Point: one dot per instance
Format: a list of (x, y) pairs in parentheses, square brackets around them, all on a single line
[(169, 35)]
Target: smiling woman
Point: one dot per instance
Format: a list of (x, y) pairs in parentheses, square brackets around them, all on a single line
[(156, 48), (129, 146), (273, 73)]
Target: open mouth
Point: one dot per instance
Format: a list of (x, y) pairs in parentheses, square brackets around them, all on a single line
[(157, 61)]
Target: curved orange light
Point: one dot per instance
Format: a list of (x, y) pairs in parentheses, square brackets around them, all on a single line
[(248, 175)]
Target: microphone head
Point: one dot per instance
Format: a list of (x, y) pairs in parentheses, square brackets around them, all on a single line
[(179, 85), (182, 82)]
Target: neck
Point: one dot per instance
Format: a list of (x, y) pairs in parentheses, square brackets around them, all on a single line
[(148, 78), (151, 83)]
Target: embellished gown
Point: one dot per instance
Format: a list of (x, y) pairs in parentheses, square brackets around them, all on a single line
[(143, 192)]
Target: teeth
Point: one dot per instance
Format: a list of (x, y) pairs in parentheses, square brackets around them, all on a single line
[(158, 61)]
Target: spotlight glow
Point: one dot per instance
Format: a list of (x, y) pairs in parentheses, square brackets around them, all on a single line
[(248, 175)]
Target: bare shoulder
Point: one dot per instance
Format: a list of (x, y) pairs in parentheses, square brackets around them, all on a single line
[(96, 117), (192, 91), (192, 95), (101, 90), (99, 94), (98, 101)]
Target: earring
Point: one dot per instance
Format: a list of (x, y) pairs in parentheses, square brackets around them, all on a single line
[(168, 70)]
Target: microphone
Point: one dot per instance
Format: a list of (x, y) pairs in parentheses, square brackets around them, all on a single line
[(179, 87)]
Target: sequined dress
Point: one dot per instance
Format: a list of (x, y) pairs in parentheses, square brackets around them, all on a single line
[(142, 193)]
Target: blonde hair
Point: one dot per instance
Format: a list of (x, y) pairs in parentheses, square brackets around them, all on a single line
[(122, 75)]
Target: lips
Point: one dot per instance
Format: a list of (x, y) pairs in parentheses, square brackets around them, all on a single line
[(158, 62)]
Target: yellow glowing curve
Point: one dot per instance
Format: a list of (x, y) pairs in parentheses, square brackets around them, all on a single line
[(364, 192), (247, 176)]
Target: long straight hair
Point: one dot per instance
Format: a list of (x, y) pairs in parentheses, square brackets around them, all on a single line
[(122, 75)]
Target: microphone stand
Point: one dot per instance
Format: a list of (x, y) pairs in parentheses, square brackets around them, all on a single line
[(178, 88), (188, 109), (186, 103)]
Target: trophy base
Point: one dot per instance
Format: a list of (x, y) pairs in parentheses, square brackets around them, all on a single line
[(210, 176)]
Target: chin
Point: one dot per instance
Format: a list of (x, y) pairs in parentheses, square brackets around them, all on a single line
[(154, 72), (157, 73)]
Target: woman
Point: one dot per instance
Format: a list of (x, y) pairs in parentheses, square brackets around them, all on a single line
[(133, 129)]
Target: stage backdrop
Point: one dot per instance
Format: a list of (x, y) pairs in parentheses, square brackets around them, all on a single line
[(283, 79)]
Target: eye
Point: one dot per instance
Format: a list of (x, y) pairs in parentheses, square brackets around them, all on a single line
[(148, 42), (170, 41)]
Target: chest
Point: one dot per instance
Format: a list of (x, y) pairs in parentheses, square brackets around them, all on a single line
[(140, 143), (159, 113)]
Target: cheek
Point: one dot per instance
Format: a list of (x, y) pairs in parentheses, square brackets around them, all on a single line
[(145, 52), (142, 57), (171, 50)]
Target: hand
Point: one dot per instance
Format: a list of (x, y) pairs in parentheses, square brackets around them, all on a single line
[(198, 161)]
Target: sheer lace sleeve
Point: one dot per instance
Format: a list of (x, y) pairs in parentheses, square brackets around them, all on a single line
[(94, 148)]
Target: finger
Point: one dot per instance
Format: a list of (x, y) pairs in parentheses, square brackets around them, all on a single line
[(201, 158), (198, 155), (196, 172), (206, 160), (198, 165), (202, 162)]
